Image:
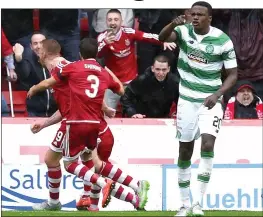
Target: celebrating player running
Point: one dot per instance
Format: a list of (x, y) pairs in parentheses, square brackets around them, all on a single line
[(87, 81)]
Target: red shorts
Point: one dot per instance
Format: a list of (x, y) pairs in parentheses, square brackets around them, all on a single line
[(58, 141), (79, 138), (105, 144)]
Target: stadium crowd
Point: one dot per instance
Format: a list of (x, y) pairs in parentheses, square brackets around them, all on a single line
[(146, 67)]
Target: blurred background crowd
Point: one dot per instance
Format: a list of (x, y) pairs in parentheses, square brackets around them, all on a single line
[(146, 96)]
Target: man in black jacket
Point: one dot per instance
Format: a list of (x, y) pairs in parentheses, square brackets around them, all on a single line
[(30, 72), (151, 94)]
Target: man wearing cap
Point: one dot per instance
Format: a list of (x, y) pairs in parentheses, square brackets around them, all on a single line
[(245, 104)]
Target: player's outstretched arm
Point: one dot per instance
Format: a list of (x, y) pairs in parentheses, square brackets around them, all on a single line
[(41, 124), (43, 85), (54, 119), (168, 34), (121, 90)]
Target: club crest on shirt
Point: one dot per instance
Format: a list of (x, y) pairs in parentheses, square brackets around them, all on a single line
[(232, 54), (127, 42), (209, 48)]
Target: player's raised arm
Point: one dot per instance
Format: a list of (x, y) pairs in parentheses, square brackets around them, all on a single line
[(121, 89), (43, 85), (168, 34)]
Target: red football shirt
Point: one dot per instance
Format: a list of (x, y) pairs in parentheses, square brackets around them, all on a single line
[(120, 56), (61, 90), (88, 82)]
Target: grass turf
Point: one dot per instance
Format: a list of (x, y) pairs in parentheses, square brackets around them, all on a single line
[(106, 213)]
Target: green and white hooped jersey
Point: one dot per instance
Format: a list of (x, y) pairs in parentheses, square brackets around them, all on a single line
[(200, 62)]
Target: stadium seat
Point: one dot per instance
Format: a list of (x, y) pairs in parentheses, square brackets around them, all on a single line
[(36, 19), (84, 27), (19, 102), (173, 111)]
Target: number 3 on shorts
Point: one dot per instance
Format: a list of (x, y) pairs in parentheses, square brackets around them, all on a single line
[(95, 82)]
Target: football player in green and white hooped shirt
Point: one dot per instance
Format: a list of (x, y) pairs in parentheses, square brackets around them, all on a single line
[(204, 51)]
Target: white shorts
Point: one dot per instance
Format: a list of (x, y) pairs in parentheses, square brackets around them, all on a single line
[(194, 119)]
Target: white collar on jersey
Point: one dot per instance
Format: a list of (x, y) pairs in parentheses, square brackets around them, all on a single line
[(118, 35)]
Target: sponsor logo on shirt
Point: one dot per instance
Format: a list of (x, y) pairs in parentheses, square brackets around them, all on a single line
[(197, 56), (123, 53)]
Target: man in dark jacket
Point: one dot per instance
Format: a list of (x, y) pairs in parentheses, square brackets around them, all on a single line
[(151, 94), (30, 72)]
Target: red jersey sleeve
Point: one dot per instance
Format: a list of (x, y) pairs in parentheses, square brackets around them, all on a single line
[(6, 48), (61, 71), (142, 36)]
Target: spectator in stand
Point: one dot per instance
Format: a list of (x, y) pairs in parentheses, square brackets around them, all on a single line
[(18, 25), (245, 104), (7, 54), (63, 26), (151, 94), (99, 16), (245, 28), (30, 72), (117, 46), (246, 32), (153, 21)]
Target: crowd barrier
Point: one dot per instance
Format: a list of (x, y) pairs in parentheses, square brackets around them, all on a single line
[(147, 149)]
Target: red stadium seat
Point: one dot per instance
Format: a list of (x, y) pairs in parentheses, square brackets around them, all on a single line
[(173, 111), (36, 19), (19, 102), (84, 27)]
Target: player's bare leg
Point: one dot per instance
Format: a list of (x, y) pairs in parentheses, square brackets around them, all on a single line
[(88, 175), (204, 172), (184, 176), (108, 170), (52, 159)]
